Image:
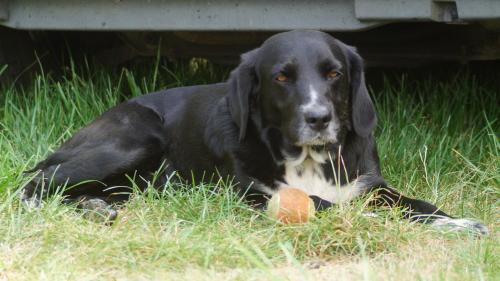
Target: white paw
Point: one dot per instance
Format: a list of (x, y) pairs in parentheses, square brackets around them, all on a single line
[(31, 203), (370, 215), (461, 225)]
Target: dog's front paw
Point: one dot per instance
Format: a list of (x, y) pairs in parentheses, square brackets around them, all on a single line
[(97, 210), (451, 224), (30, 197)]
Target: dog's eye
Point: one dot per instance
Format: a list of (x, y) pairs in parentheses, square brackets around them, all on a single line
[(332, 74), (282, 77)]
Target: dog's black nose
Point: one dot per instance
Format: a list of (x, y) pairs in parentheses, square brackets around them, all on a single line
[(318, 119)]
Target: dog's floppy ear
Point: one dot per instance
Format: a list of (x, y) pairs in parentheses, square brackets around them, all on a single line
[(243, 83), (364, 118)]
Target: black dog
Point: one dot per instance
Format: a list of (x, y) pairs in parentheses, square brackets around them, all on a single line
[(295, 112)]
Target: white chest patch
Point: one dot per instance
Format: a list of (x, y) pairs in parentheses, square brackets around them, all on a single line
[(306, 173)]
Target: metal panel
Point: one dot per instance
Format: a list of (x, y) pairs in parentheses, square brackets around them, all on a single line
[(257, 15), (437, 10), (4, 9), (407, 10), (478, 9), (393, 9), (184, 15)]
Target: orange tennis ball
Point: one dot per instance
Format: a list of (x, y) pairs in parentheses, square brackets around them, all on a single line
[(291, 205)]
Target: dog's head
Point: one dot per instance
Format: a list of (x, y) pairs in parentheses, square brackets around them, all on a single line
[(305, 84)]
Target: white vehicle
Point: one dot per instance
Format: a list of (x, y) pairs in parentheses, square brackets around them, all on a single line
[(386, 32)]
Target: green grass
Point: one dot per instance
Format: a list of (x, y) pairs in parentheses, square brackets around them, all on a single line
[(437, 139)]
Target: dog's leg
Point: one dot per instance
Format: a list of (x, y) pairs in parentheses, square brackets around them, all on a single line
[(421, 211), (126, 140), (92, 172), (320, 204)]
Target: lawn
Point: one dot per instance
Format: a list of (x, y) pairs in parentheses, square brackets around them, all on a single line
[(437, 139)]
